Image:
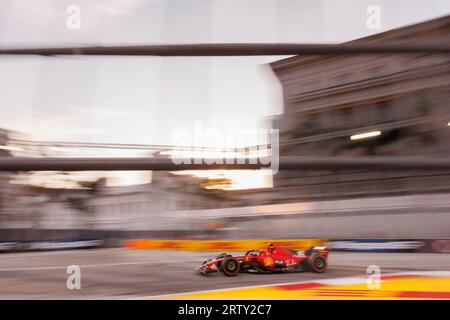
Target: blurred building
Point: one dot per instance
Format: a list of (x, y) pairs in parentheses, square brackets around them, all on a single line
[(146, 206), (328, 99), (166, 205), (5, 192)]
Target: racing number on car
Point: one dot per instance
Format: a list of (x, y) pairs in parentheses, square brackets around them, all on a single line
[(268, 262)]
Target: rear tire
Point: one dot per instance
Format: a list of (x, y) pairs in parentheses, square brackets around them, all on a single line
[(230, 266), (318, 263)]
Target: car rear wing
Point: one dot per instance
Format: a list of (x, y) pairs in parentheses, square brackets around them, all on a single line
[(319, 249)]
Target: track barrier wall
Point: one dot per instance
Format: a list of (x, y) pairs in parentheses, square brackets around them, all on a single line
[(351, 245), (219, 245)]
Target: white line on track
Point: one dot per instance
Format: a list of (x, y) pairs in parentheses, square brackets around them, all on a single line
[(96, 265)]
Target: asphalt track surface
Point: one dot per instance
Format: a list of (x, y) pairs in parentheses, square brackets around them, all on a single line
[(124, 274)]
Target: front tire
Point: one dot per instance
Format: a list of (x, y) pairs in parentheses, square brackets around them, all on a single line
[(318, 263), (230, 266), (223, 255)]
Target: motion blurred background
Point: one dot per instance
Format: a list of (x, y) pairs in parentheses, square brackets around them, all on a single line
[(343, 105)]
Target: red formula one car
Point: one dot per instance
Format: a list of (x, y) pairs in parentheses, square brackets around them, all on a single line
[(268, 260)]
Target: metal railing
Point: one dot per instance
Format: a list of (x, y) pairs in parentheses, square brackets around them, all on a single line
[(167, 164), (235, 49)]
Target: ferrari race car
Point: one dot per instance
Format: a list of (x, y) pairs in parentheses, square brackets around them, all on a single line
[(268, 260)]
